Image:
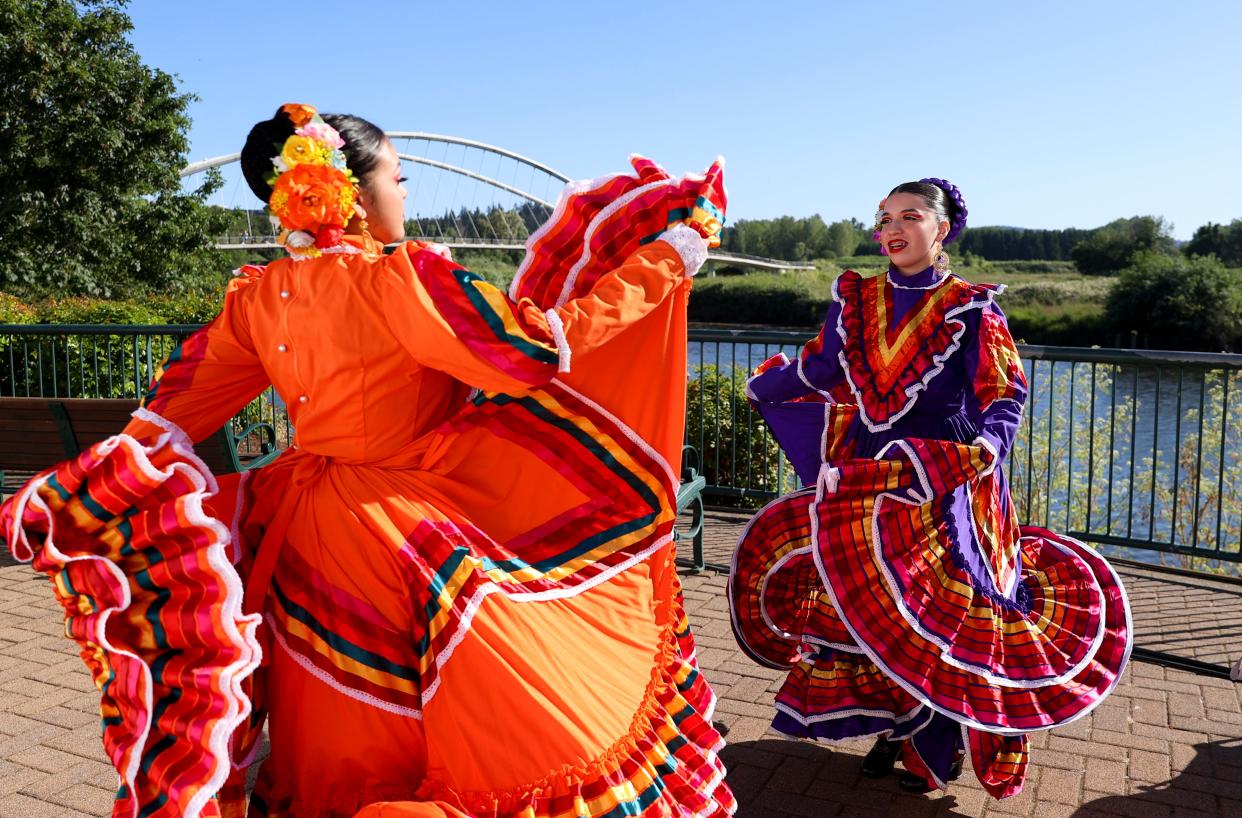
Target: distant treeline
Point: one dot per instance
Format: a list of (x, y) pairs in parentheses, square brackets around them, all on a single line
[(810, 238), (1019, 243), (1221, 240), (492, 223), (794, 239), (1099, 251)]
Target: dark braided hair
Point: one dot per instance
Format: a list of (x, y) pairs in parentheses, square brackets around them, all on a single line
[(943, 198), (364, 145)]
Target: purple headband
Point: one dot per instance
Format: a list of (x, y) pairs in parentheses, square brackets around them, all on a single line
[(956, 223)]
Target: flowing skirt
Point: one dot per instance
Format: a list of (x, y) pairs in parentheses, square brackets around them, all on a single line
[(906, 602), (487, 623)]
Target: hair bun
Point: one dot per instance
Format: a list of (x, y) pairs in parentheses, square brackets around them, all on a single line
[(262, 143), (957, 219)]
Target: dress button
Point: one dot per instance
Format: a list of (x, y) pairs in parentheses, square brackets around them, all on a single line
[(283, 348), (303, 399), (284, 293)]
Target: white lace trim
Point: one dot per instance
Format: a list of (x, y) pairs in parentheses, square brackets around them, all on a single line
[(750, 393), (802, 374), (323, 676), (689, 245), (572, 278), (938, 360), (829, 476), (943, 278), (762, 592), (806, 721), (569, 191), (738, 633), (472, 606), (945, 647), (240, 629), (564, 354), (983, 442)]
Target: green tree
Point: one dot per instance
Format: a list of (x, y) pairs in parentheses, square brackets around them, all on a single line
[(843, 238), (1222, 241), (92, 140), (1178, 303), (1114, 247)]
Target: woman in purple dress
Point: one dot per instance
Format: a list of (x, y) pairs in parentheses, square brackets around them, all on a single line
[(897, 587)]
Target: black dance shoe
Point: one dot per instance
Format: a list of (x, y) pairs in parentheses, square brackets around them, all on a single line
[(909, 782), (880, 758)]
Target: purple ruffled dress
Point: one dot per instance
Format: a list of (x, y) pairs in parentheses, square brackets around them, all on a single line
[(946, 409)]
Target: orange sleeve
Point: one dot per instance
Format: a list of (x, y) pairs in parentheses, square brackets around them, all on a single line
[(452, 320), (617, 300), (209, 377)]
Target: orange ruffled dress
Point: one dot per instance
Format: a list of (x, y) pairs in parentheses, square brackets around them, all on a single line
[(455, 593)]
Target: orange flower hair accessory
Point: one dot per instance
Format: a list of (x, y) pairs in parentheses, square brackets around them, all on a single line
[(314, 194)]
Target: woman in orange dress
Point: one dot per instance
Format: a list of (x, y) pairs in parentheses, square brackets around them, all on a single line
[(454, 594)]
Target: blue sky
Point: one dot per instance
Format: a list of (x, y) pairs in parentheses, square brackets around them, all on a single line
[(1053, 114)]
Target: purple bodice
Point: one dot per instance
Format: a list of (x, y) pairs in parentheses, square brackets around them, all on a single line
[(945, 409)]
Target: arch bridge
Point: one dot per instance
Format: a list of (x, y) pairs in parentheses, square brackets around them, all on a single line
[(467, 195)]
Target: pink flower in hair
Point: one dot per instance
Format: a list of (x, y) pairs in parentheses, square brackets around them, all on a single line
[(875, 235), (323, 132)]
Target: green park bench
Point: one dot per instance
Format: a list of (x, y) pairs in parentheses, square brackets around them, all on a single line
[(690, 496), (36, 433)]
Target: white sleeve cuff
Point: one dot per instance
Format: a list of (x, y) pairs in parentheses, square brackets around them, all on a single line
[(689, 245), (563, 352), (984, 443)]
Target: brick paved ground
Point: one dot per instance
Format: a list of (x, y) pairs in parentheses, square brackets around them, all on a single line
[(1166, 744)]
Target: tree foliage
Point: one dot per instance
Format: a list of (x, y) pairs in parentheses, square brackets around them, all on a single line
[(1017, 243), (792, 239), (493, 223), (1222, 241), (92, 141), (1173, 302), (1116, 245)]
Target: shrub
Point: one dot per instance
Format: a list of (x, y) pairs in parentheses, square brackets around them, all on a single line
[(797, 299), (188, 308), (1177, 303), (496, 266), (82, 310), (735, 448), (1114, 246), (1073, 324), (14, 311), (1056, 292)]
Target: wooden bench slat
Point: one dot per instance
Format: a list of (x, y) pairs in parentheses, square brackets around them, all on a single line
[(31, 437)]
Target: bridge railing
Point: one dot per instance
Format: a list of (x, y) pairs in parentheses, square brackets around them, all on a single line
[(1131, 449)]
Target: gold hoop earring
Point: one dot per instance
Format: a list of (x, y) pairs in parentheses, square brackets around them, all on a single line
[(941, 263)]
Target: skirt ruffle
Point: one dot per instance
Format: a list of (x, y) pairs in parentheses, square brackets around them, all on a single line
[(150, 596), (902, 584), (666, 766)]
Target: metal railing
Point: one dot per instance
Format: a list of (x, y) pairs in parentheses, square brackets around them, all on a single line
[(1126, 448), (110, 361), (1136, 449)]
